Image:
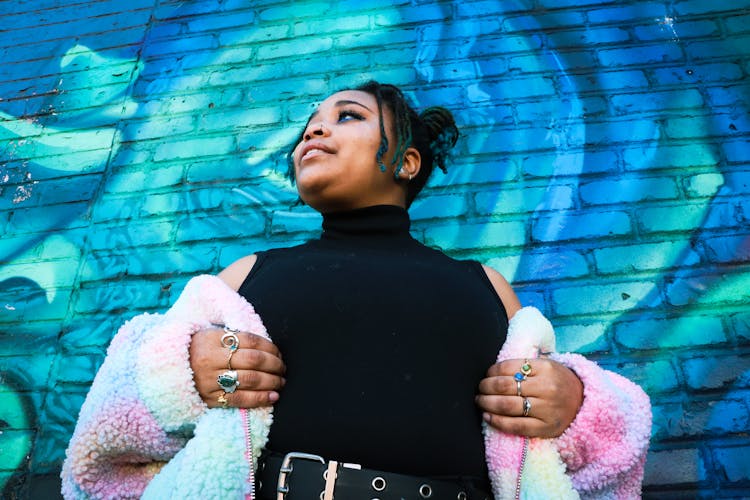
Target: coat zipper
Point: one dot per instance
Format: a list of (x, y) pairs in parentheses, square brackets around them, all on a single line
[(248, 454)]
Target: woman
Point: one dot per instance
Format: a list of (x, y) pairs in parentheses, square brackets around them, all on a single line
[(386, 347)]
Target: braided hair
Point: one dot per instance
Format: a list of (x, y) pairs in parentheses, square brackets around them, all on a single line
[(432, 132)]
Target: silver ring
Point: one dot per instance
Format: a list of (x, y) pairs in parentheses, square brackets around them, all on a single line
[(518, 388), (228, 381), (526, 407), (230, 340)]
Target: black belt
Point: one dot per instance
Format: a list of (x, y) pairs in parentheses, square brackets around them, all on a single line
[(301, 476)]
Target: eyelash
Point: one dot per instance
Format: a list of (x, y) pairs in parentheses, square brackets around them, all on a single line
[(351, 114)]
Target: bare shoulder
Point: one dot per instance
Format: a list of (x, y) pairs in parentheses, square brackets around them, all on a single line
[(504, 291), (236, 272)]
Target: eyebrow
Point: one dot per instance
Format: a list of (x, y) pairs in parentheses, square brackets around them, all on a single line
[(338, 104)]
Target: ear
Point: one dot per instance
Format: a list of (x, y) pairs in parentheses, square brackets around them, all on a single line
[(412, 164)]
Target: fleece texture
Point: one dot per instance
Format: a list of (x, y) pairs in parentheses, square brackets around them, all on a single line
[(143, 430)]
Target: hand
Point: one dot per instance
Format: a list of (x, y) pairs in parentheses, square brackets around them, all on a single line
[(554, 391), (257, 362)]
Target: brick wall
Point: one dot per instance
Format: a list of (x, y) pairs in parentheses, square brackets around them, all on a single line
[(604, 168)]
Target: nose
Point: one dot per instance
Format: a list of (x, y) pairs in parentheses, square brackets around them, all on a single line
[(316, 130)]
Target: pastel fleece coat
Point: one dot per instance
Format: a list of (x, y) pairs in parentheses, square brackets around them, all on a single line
[(144, 432)]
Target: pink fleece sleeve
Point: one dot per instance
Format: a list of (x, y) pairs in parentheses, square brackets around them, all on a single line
[(605, 447), (143, 405)]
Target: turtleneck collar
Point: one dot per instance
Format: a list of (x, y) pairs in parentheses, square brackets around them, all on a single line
[(378, 221)]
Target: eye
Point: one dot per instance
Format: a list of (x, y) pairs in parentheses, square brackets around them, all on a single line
[(347, 115)]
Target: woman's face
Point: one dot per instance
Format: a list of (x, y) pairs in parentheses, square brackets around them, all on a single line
[(335, 166)]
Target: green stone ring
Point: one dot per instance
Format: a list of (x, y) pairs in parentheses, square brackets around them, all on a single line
[(228, 381)]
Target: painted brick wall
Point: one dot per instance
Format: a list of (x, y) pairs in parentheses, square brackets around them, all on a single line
[(604, 168)]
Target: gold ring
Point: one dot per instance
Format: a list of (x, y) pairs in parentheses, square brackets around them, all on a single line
[(229, 359), (223, 400), (526, 368)]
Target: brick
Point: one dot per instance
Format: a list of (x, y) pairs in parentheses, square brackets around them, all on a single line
[(540, 22), (583, 339), (543, 266), (544, 111), (408, 14), (670, 333), (727, 96), (627, 13), (627, 190), (232, 251), (686, 217), (565, 226), (728, 249), (469, 236), (719, 289), (180, 45), (429, 207), (694, 126), (216, 23), (293, 222), (592, 299), (573, 164), (737, 46), (588, 37), (737, 151), (120, 296), (653, 156), (674, 467), (486, 30), (323, 27), (479, 172), (697, 73), (741, 324), (695, 7), (309, 9), (16, 446), (676, 30), (517, 89), (68, 215), (512, 140), (732, 462), (528, 199), (613, 131), (483, 7), (703, 185), (131, 235), (370, 39), (605, 80), (654, 377), (657, 101), (642, 54), (717, 372), (737, 23), (79, 370), (569, 59), (214, 227), (157, 128), (175, 150), (645, 257)]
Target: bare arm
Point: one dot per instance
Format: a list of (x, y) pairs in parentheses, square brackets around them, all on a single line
[(257, 362)]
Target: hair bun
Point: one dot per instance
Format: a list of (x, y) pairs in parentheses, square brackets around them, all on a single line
[(442, 131)]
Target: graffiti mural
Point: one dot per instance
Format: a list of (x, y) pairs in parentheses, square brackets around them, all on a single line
[(603, 168)]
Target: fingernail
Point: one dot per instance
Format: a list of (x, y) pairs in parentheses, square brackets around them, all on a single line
[(273, 396), (486, 417)]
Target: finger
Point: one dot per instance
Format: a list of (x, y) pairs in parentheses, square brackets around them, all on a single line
[(259, 381), (518, 426), (498, 386), (510, 367), (253, 359), (253, 341), (245, 399), (509, 406)]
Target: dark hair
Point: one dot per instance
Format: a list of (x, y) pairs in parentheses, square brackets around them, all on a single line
[(432, 132)]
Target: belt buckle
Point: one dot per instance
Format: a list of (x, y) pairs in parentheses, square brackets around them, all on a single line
[(286, 468)]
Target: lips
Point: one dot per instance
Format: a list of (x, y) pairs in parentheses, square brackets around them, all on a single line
[(314, 148)]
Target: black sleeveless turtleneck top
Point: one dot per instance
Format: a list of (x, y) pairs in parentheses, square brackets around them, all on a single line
[(385, 341)]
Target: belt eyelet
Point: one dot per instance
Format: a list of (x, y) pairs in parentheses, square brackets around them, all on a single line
[(425, 491), (461, 495), (378, 484)]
